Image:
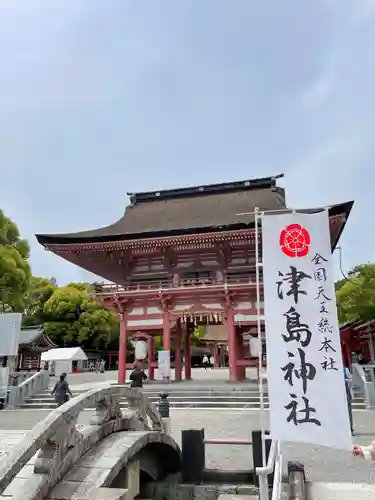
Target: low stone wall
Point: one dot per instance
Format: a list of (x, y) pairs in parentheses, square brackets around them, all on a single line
[(173, 490), (29, 387)]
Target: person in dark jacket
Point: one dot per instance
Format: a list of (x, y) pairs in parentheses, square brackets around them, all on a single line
[(137, 376), (61, 391)]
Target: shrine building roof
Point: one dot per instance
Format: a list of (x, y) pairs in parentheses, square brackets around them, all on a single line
[(35, 336), (209, 208)]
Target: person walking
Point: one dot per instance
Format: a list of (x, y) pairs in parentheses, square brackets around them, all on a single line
[(137, 376), (102, 366), (61, 391), (212, 362), (205, 362), (349, 396)]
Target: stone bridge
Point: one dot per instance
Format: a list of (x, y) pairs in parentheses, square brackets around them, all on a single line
[(106, 460)]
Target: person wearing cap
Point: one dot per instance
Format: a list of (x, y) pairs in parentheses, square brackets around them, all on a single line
[(61, 391), (137, 376)]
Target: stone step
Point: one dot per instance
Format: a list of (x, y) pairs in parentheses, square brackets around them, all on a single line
[(184, 404), (252, 399), (193, 395), (340, 491), (235, 496), (174, 392), (202, 399), (199, 399), (177, 404)]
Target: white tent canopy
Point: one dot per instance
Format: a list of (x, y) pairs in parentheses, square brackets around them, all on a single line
[(64, 354), (61, 359)]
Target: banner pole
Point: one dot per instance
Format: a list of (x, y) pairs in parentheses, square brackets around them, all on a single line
[(258, 264)]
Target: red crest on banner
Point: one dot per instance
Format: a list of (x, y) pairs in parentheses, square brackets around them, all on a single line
[(295, 241)]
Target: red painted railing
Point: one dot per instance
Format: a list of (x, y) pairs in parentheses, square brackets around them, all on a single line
[(167, 284)]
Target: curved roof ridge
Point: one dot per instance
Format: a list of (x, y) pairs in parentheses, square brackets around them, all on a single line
[(205, 189)]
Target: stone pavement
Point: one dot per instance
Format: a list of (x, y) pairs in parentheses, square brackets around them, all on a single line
[(322, 464), (342, 491), (209, 378)]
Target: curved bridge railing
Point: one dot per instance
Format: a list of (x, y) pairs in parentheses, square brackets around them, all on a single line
[(60, 443)]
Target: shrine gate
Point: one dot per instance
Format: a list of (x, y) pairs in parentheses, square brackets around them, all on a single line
[(180, 258)]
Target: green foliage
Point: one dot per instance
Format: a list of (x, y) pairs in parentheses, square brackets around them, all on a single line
[(356, 297), (158, 344), (39, 292), (339, 284), (14, 266), (198, 334), (73, 317)]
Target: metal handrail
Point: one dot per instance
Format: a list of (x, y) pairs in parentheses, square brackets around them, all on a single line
[(278, 474), (235, 442), (264, 472)]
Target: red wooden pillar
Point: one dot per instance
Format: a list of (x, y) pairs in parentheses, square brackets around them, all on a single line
[(151, 358), (166, 332), (216, 357), (222, 355), (122, 351), (187, 354), (240, 370), (177, 352), (232, 344)]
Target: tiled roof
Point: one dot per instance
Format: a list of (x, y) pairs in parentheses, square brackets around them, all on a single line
[(207, 207), (30, 335), (215, 333), (35, 335)]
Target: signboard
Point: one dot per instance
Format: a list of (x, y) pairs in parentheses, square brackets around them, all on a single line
[(10, 326), (305, 372), (164, 364)]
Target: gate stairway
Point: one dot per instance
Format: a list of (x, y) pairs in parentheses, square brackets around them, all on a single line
[(203, 398)]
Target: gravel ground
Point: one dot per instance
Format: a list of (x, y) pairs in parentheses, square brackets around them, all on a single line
[(322, 464)]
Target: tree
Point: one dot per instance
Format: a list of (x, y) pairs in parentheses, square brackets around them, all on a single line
[(356, 297), (339, 284), (73, 317), (39, 292), (14, 266)]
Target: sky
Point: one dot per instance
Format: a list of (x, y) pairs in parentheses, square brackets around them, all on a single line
[(99, 98)]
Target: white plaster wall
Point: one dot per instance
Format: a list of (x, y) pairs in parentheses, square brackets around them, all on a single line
[(153, 310), (247, 317), (213, 305), (136, 310), (145, 322)]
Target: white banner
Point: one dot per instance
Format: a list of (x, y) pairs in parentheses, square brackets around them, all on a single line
[(164, 364), (10, 327), (304, 363)]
